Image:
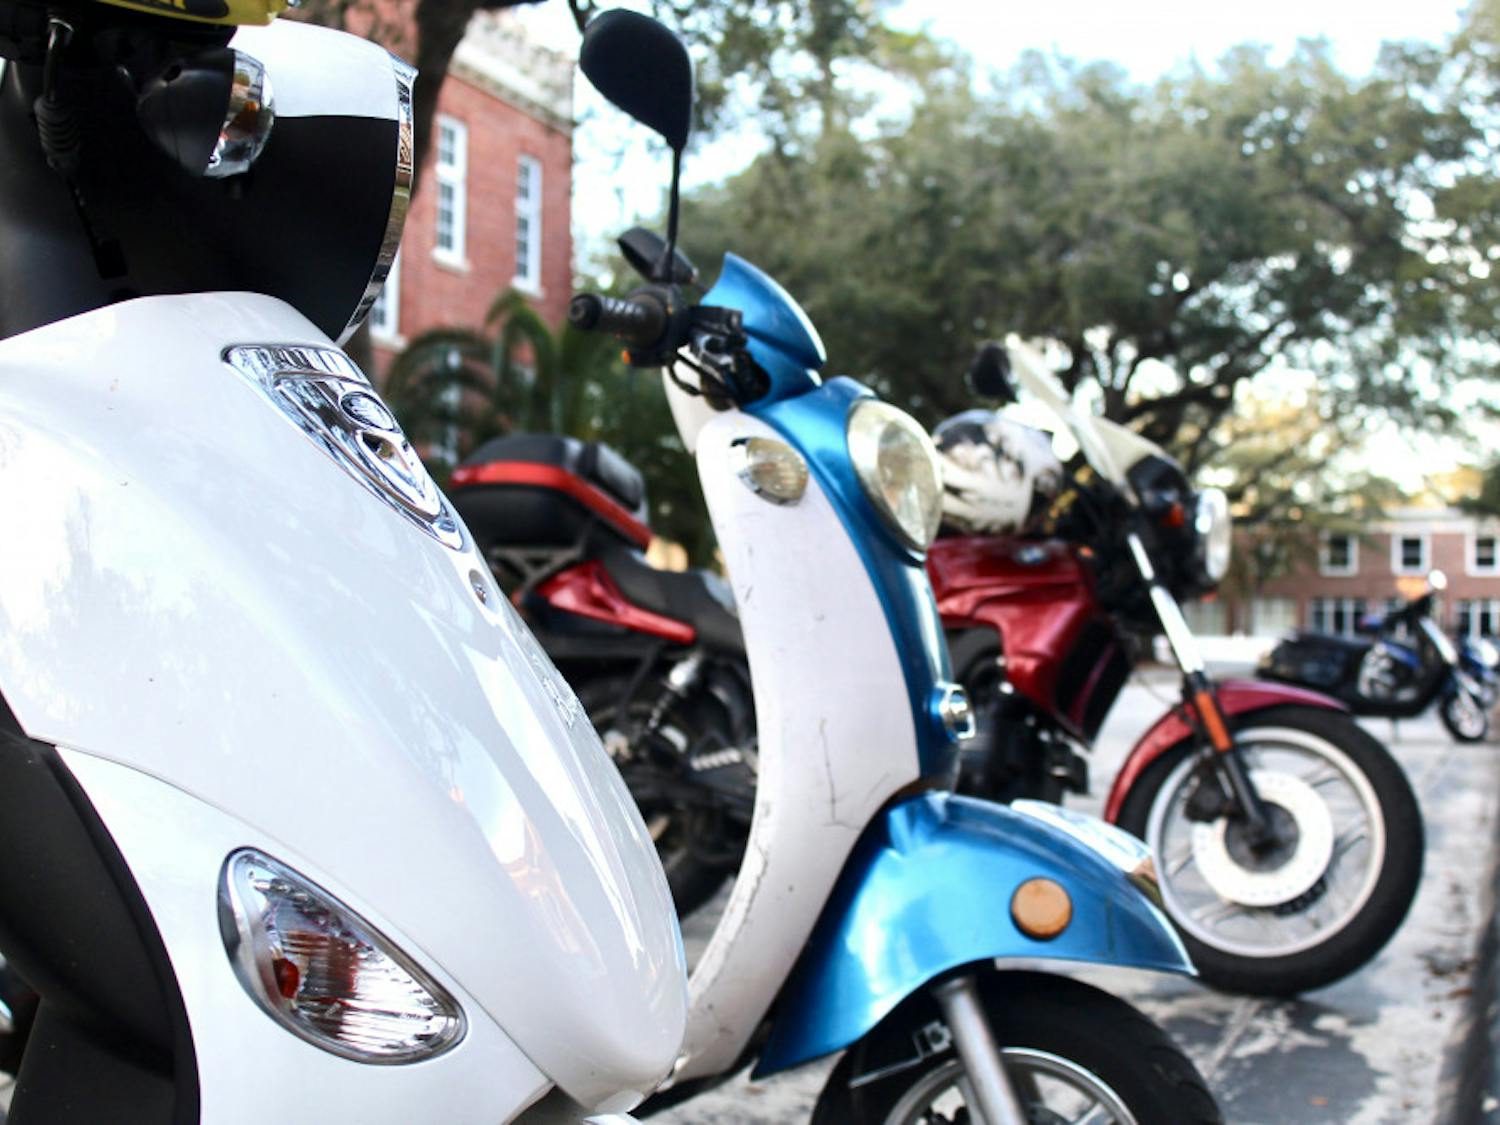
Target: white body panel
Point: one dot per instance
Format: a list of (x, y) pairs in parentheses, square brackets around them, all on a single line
[(835, 735), (317, 71), (175, 847), (191, 587)]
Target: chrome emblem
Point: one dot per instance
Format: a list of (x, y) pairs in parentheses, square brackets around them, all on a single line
[(331, 401)]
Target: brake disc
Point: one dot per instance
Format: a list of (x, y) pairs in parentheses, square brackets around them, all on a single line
[(1288, 876)]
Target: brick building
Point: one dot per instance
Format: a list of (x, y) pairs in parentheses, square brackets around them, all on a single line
[(1362, 573), (492, 207)]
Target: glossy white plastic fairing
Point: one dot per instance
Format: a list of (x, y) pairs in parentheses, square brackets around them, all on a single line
[(832, 749), (190, 586)]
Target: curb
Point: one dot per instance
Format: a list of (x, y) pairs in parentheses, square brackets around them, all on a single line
[(1470, 1070)]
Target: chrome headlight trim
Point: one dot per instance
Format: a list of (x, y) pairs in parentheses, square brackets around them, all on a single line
[(390, 242), (1214, 530), (898, 469)]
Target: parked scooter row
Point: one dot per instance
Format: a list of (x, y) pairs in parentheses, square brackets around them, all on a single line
[(1406, 665), (1289, 841), (291, 799)]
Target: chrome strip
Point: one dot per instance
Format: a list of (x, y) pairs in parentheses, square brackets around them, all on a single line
[(326, 396), (405, 75)]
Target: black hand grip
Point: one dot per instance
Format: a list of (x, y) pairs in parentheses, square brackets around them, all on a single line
[(639, 321)]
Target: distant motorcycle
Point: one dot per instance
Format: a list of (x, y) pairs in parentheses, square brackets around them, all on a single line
[(1288, 840), (1408, 665)]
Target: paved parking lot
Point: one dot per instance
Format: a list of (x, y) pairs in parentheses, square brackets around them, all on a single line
[(1380, 1047)]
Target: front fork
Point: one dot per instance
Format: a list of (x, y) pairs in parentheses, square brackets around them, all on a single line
[(1215, 743)]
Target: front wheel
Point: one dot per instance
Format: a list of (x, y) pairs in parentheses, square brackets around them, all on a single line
[(1071, 1053), (1322, 900), (1465, 717)]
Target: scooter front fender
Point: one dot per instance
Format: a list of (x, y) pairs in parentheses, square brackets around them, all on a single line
[(928, 888), (1236, 697)]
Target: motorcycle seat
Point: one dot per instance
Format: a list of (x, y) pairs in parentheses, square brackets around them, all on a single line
[(700, 598), (594, 461)]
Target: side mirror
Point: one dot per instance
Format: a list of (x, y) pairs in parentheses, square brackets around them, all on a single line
[(642, 68), (989, 374), (643, 249)]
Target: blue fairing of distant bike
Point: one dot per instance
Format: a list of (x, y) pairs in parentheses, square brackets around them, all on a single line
[(928, 889)]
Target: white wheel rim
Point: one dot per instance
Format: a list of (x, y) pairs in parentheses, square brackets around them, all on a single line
[(1227, 906), (1043, 1081), (1466, 715)]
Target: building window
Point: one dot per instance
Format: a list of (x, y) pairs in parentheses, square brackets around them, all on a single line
[(1335, 615), (1338, 554), (1485, 557), (385, 313), (1479, 617), (452, 167), (529, 223), (1270, 617), (1409, 554)]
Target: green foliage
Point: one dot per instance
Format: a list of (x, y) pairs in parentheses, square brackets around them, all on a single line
[(1177, 238), (454, 389), (1485, 502)]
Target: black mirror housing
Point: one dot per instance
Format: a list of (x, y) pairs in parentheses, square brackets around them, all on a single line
[(644, 248), (989, 374), (644, 69)]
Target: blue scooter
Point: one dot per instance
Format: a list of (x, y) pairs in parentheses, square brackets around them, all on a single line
[(875, 912)]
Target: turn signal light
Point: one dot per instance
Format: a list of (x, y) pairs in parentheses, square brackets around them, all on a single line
[(324, 973)]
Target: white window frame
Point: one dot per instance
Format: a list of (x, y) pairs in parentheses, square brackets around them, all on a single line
[(1353, 611), (1472, 554), (1489, 607), (529, 273), (454, 174), (1426, 540), (1325, 567), (385, 314)]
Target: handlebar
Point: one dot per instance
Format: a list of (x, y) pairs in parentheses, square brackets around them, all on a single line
[(640, 320)]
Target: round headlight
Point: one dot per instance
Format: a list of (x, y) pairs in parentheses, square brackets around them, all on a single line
[(898, 468), (1215, 528)]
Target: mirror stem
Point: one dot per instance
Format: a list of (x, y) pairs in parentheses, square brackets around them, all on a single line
[(664, 271)]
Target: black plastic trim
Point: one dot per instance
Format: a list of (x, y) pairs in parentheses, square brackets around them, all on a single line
[(112, 1040)]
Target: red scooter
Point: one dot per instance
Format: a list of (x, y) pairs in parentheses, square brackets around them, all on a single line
[(1287, 839)]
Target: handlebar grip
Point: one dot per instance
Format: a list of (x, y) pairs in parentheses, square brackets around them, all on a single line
[(640, 321)]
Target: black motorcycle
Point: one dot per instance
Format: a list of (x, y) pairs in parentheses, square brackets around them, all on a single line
[(656, 656), (1406, 666)]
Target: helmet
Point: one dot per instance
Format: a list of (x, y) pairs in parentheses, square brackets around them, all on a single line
[(999, 476), (223, 12)]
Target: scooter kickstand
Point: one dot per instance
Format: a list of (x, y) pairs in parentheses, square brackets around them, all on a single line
[(980, 1054)]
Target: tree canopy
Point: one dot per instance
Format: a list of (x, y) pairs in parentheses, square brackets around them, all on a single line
[(1177, 238)]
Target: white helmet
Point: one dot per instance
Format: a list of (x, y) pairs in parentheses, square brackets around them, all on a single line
[(999, 476)]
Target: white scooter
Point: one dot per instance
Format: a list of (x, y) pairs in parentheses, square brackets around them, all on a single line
[(875, 913), (298, 822)]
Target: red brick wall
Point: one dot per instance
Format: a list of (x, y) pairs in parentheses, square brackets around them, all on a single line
[(437, 294)]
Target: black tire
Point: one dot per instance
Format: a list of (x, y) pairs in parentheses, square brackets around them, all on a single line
[(1116, 1045), (1462, 726), (1354, 943), (693, 879)]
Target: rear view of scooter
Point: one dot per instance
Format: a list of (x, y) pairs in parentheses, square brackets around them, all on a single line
[(299, 822), (875, 913)]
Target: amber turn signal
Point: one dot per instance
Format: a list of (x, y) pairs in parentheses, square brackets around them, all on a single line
[(1041, 909)]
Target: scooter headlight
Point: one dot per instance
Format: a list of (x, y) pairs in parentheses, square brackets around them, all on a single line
[(897, 467), (324, 973), (1215, 531)]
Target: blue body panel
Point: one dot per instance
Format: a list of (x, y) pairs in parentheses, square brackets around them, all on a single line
[(928, 889), (790, 349)]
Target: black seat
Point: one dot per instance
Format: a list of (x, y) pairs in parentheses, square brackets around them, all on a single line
[(698, 597), (594, 461)]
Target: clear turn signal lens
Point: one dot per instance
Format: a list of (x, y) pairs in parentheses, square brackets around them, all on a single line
[(324, 973), (771, 469)]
